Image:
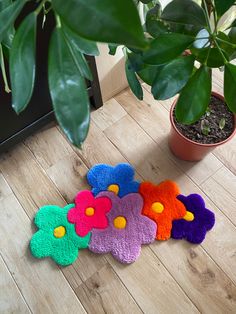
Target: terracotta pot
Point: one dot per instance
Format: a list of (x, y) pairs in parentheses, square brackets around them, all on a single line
[(187, 149)]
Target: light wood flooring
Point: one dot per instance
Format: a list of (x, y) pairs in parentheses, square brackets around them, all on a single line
[(169, 277)]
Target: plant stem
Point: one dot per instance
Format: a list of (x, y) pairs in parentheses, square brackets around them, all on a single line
[(225, 60), (58, 20), (4, 75), (39, 8), (207, 15), (226, 42)]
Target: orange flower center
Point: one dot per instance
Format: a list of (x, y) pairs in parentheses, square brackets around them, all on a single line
[(114, 188), (89, 211), (157, 207), (59, 232), (119, 222)]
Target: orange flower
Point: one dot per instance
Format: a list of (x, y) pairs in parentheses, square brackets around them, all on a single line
[(162, 206)]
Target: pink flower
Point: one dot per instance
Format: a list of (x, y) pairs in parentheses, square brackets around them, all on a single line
[(89, 212)]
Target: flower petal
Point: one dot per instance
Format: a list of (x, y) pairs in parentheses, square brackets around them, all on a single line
[(66, 254), (126, 252), (41, 244)]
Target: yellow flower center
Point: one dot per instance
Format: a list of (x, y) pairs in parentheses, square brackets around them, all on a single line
[(113, 188), (189, 216), (120, 222), (89, 211), (59, 232), (157, 207)]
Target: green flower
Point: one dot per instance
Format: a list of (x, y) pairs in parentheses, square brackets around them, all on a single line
[(56, 237)]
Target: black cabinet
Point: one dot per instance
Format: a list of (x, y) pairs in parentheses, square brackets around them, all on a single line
[(13, 127)]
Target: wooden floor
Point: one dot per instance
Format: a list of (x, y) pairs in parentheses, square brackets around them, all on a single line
[(169, 277)]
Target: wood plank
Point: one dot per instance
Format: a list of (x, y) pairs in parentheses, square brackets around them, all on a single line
[(48, 146), (154, 119), (211, 290), (11, 300), (96, 295), (69, 175), (44, 287), (103, 117), (221, 188), (227, 154), (152, 286), (96, 147)]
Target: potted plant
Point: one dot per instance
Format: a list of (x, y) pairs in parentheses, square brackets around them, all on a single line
[(188, 40)]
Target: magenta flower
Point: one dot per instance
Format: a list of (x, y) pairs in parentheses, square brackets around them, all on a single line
[(128, 229), (89, 212)]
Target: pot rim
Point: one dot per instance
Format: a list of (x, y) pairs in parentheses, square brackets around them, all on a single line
[(196, 143)]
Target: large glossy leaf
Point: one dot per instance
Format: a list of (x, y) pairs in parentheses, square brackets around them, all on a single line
[(194, 97), (172, 77), (229, 86), (103, 20), (133, 81), (184, 12), (166, 47), (78, 57), (222, 6), (8, 16), (22, 63), (68, 90), (85, 46), (9, 35), (149, 72)]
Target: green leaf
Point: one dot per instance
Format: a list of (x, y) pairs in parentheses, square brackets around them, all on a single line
[(166, 47), (149, 72), (184, 12), (8, 39), (232, 35), (112, 49), (213, 56), (229, 86), (8, 16), (22, 63), (172, 77), (68, 90), (222, 123), (103, 20), (78, 57), (154, 25), (222, 6), (133, 81), (85, 46), (194, 97)]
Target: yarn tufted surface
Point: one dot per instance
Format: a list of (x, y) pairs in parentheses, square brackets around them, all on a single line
[(118, 216)]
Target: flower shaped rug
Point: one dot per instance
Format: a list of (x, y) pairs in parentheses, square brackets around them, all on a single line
[(162, 206), (56, 237), (128, 229), (118, 216), (195, 226), (89, 212), (118, 179)]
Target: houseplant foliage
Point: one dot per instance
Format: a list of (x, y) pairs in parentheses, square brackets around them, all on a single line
[(79, 24), (183, 25), (153, 52)]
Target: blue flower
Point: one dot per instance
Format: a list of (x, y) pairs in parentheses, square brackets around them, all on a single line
[(118, 179)]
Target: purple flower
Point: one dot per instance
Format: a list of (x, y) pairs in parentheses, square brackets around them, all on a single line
[(128, 229), (199, 220)]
